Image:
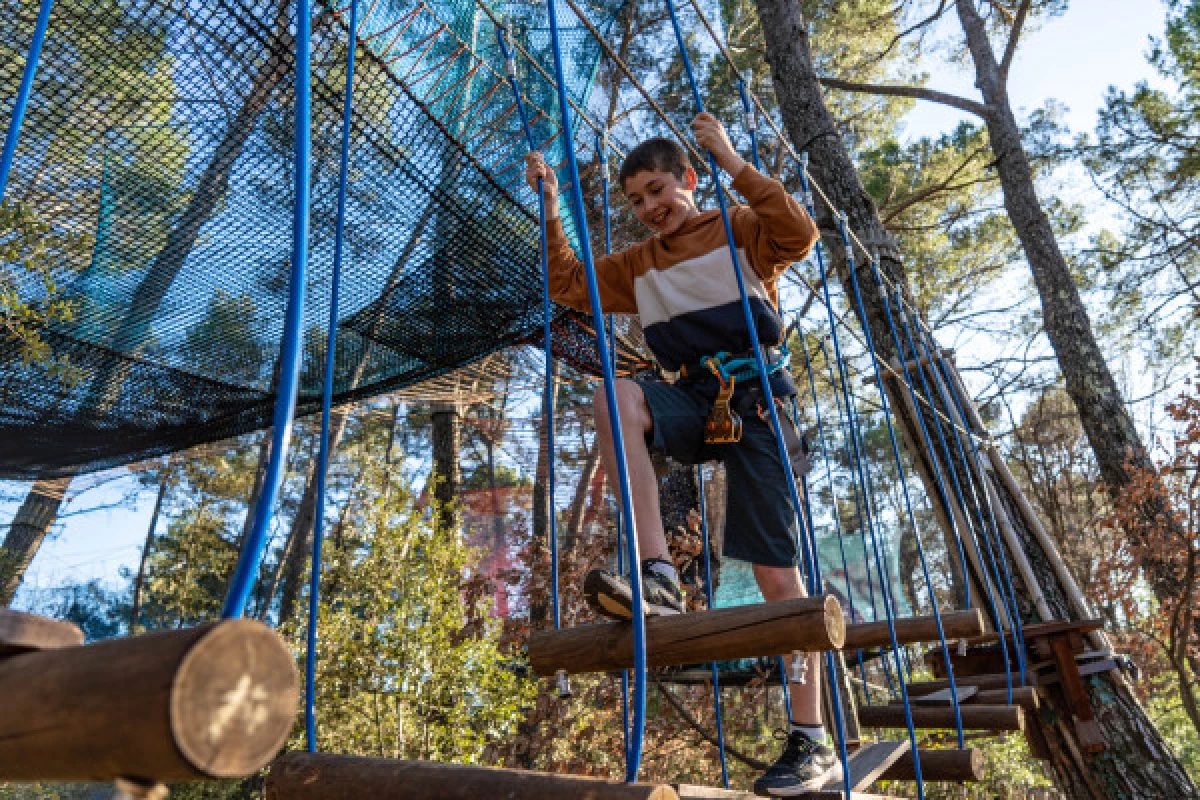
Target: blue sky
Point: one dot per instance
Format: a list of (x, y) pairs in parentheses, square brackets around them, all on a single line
[(1072, 59)]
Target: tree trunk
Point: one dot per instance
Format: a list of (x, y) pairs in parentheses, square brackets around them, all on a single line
[(1136, 762), (164, 485), (587, 476), (446, 478), (28, 530)]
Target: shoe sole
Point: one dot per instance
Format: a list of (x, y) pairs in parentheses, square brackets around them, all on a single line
[(814, 785), (616, 608)]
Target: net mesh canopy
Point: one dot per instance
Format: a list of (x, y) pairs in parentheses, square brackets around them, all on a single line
[(148, 216)]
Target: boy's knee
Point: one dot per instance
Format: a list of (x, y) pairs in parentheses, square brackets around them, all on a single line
[(779, 583), (631, 404)]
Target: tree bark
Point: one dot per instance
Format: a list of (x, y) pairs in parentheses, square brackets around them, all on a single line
[(447, 477), (1136, 762), (164, 485), (28, 530)]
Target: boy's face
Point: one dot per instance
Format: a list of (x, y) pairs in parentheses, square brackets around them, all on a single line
[(661, 201)]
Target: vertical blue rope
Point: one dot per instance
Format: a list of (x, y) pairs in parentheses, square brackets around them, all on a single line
[(547, 333), (937, 616), (708, 593), (314, 581), (633, 755), (290, 350), (864, 477), (602, 151), (945, 449), (22, 101), (813, 569)]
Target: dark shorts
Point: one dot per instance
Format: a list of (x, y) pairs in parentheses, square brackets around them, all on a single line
[(760, 523)]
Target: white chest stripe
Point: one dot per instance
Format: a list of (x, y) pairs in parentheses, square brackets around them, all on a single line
[(694, 285)]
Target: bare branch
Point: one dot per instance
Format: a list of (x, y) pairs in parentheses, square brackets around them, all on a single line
[(1014, 35), (916, 92)]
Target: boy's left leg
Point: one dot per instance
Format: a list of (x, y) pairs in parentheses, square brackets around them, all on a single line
[(808, 761)]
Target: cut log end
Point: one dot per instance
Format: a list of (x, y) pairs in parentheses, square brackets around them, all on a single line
[(233, 699)]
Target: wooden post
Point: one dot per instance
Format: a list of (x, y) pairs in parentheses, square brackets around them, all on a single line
[(806, 624), (216, 701), (318, 776), (974, 717), (954, 766), (912, 630)]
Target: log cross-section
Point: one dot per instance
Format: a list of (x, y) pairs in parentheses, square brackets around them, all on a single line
[(807, 624), (319, 776), (216, 701)]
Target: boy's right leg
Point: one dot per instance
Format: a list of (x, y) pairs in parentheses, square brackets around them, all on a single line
[(607, 592)]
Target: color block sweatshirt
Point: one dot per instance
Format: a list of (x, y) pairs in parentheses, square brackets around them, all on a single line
[(683, 287)]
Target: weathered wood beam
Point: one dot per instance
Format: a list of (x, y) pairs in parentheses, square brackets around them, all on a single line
[(990, 681), (1024, 696), (806, 624), (912, 630), (319, 776), (952, 766), (23, 633), (974, 717), (216, 701)]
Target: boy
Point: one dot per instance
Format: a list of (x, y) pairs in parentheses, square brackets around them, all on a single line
[(681, 283)]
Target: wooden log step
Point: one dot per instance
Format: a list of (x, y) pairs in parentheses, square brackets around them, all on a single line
[(951, 766), (216, 701), (912, 630), (996, 680), (946, 697), (807, 624), (974, 717), (690, 792), (1024, 696), (868, 763), (23, 633), (320, 776)]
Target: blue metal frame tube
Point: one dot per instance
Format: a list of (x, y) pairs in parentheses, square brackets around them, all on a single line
[(290, 350), (22, 101), (314, 579)]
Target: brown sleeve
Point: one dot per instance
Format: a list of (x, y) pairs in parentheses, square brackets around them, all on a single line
[(775, 230), (568, 279)]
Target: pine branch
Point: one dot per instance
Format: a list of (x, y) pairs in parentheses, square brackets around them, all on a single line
[(916, 92), (1011, 48)]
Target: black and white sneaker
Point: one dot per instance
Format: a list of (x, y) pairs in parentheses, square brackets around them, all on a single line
[(609, 595), (804, 766)]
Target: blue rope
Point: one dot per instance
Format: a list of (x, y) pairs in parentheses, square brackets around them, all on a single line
[(314, 582), (989, 532), (815, 587), (547, 334), (837, 519), (864, 477), (602, 152), (708, 593), (290, 350), (633, 754), (22, 102), (988, 596), (937, 617)]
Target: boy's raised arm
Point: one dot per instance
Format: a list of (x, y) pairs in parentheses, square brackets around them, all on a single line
[(568, 277), (776, 229)]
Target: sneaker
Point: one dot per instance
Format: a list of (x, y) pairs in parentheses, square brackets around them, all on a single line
[(804, 766), (609, 595)]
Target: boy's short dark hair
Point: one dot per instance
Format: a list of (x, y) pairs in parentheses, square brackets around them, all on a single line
[(657, 154)]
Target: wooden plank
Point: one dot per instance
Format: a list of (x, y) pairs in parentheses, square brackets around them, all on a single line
[(952, 766), (23, 633), (913, 630), (989, 681), (974, 717), (689, 792), (321, 776), (1039, 630), (807, 624), (215, 701), (827, 795), (1024, 696), (945, 697), (1091, 737), (869, 763)]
